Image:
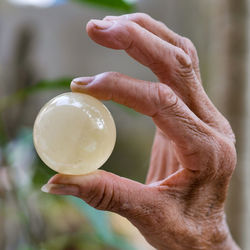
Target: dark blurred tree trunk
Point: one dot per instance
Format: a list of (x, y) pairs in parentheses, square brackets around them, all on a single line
[(17, 72), (229, 86), (236, 110), (246, 178)]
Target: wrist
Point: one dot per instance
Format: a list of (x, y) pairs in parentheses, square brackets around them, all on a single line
[(228, 244), (219, 240)]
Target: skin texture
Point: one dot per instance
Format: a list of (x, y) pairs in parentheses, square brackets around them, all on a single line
[(181, 206)]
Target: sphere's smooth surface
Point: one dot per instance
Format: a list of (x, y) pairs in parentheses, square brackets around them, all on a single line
[(74, 133)]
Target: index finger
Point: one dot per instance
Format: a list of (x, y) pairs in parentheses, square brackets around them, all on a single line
[(195, 141)]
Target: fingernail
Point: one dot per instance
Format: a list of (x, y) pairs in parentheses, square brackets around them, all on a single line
[(61, 189), (101, 24), (83, 80)]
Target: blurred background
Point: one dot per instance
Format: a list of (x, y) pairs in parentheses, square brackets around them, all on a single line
[(43, 45)]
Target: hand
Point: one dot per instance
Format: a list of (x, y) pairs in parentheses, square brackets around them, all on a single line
[(193, 155)]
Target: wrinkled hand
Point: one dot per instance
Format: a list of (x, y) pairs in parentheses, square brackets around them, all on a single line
[(193, 155)]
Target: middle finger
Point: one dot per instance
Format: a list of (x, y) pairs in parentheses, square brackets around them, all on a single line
[(170, 63)]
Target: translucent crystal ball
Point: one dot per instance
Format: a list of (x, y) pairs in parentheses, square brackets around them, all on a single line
[(74, 134)]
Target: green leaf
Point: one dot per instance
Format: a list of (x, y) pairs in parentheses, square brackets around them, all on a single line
[(62, 83), (3, 136), (26, 247), (121, 5), (42, 173), (97, 218), (101, 224)]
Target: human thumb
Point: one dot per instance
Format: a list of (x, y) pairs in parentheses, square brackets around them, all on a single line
[(102, 190)]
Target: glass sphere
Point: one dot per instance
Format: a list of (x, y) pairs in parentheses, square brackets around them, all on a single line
[(74, 134)]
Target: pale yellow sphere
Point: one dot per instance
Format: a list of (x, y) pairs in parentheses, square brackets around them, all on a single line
[(74, 134)]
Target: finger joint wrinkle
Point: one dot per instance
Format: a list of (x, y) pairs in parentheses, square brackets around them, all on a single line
[(100, 201)]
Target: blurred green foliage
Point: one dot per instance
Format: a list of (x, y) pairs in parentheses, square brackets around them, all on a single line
[(114, 4), (31, 220), (62, 83)]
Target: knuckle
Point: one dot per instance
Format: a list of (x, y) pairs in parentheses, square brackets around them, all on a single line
[(108, 76), (139, 17), (130, 31), (103, 197), (104, 200), (227, 130), (187, 43), (100, 85), (228, 157), (131, 28), (165, 98), (221, 157), (163, 26), (93, 194), (109, 79), (188, 46), (211, 155), (183, 58)]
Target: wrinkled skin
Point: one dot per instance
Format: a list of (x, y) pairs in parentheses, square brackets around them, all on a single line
[(181, 206)]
